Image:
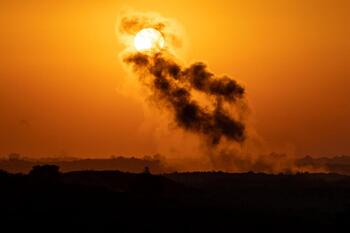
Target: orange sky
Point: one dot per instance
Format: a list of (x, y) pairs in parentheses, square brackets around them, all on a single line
[(60, 73)]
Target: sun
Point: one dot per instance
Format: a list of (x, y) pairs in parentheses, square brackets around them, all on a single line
[(148, 39)]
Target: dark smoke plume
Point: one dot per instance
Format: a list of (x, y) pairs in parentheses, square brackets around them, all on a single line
[(173, 87), (199, 101)]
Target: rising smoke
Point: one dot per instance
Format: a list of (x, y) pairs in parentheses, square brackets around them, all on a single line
[(210, 106), (173, 86)]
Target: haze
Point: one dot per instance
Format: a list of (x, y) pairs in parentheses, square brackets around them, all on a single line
[(60, 74)]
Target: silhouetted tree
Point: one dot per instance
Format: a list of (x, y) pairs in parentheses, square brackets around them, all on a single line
[(45, 171), (146, 171), (3, 173)]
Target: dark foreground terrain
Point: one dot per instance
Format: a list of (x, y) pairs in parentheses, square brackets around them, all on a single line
[(46, 200)]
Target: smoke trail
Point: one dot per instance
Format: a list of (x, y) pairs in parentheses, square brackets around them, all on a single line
[(200, 102), (173, 86)]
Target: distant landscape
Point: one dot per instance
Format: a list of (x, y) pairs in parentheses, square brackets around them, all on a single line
[(128, 194), (114, 201), (15, 163)]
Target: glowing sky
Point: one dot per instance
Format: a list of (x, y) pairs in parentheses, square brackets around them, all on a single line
[(60, 73)]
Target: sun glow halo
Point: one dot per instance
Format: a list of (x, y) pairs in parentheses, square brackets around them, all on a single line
[(148, 39)]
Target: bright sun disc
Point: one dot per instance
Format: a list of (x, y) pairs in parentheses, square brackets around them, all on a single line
[(148, 39)]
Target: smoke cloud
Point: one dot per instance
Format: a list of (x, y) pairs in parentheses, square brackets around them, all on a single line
[(210, 106), (173, 86)]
